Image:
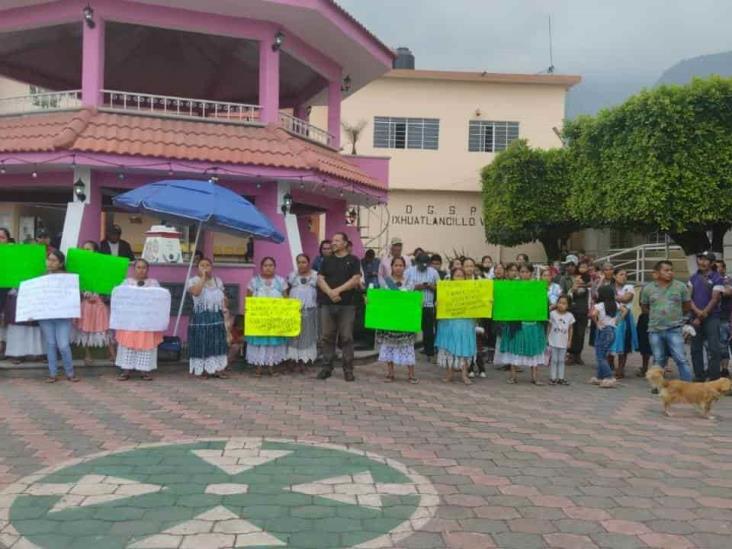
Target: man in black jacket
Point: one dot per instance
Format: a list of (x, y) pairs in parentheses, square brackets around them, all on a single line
[(114, 245)]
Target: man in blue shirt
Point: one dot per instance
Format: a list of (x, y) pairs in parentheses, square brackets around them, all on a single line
[(706, 287), (424, 279)]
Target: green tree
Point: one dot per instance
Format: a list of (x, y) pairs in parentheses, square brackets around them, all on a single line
[(660, 161), (525, 193)]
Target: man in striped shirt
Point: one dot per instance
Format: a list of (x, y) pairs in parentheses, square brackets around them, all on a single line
[(424, 279)]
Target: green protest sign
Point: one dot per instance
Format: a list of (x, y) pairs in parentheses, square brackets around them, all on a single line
[(515, 300), (393, 310), (20, 262), (98, 273)]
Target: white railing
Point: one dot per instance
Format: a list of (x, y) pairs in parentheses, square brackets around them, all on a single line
[(179, 107), (304, 129), (638, 261), (374, 227), (47, 101)]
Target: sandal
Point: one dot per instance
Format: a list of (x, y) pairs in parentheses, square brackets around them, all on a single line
[(389, 379), (537, 383), (74, 379), (467, 381), (563, 382), (413, 380), (512, 381), (147, 377), (123, 377), (51, 380)]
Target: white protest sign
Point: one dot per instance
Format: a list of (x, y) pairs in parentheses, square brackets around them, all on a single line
[(140, 309), (50, 296)]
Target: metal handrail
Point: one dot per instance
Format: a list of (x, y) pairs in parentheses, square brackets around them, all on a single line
[(638, 257), (43, 102), (302, 128), (180, 107)]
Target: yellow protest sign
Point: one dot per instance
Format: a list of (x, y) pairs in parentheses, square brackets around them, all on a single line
[(271, 316), (464, 298)]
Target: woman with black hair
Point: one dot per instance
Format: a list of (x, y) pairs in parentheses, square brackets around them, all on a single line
[(267, 351), (303, 283), (208, 348), (91, 330), (57, 331), (603, 315), (137, 350)]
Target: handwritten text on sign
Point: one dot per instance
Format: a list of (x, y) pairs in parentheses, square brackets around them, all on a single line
[(270, 316), (50, 296), (464, 298), (140, 309)]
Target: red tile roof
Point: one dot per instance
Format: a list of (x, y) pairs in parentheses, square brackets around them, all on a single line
[(90, 131)]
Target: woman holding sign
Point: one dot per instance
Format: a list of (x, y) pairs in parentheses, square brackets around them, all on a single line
[(57, 331), (524, 343), (266, 351), (456, 342), (208, 348), (92, 329), (138, 351), (303, 285), (397, 347)]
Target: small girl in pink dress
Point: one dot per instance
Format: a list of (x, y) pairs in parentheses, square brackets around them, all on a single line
[(91, 330)]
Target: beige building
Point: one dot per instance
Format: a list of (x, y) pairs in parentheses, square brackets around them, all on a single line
[(440, 129)]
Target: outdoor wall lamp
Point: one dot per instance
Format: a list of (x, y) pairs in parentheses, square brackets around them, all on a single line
[(279, 39), (89, 17), (352, 216), (79, 189), (286, 203), (346, 86)]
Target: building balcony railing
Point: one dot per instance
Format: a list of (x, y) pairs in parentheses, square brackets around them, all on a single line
[(163, 106), (43, 102), (179, 107), (301, 128)]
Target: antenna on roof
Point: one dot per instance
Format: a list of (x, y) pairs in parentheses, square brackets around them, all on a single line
[(550, 69)]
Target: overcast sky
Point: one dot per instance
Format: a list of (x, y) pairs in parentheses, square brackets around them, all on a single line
[(627, 40)]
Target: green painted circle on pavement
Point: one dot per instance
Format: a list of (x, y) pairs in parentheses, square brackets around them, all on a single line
[(241, 492)]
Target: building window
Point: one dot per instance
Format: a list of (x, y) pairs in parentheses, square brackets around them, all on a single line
[(491, 136), (406, 133)]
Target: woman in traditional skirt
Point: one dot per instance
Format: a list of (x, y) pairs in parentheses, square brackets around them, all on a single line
[(265, 350), (626, 333), (91, 330), (23, 339), (303, 349), (207, 339), (524, 343), (397, 347), (138, 351), (455, 342)]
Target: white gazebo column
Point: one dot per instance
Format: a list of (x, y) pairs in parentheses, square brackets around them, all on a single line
[(83, 219)]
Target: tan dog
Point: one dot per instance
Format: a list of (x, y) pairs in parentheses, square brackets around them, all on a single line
[(701, 395)]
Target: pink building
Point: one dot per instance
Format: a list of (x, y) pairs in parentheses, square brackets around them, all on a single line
[(127, 92)]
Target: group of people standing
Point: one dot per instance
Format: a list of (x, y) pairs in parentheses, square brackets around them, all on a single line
[(331, 287)]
